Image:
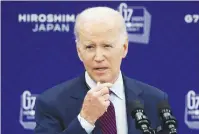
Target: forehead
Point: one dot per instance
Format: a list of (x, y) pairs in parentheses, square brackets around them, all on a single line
[(99, 31)]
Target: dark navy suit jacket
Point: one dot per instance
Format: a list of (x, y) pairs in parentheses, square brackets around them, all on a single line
[(57, 108)]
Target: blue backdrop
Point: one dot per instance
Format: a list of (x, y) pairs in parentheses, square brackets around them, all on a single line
[(163, 52)]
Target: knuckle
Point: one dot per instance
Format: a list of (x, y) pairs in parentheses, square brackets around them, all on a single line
[(105, 88), (92, 94)]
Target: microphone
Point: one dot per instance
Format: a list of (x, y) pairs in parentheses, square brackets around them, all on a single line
[(169, 122), (141, 120)]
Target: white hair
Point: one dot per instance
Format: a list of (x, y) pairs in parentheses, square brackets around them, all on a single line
[(100, 14)]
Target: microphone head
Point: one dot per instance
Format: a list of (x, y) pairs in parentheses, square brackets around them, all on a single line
[(163, 104), (169, 122), (135, 106), (163, 107), (137, 113)]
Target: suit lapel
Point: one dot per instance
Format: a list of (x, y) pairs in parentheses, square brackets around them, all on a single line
[(81, 89), (132, 93)]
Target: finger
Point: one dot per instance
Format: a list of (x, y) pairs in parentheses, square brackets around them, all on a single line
[(102, 92), (100, 86), (109, 85), (106, 97), (97, 88), (107, 103)]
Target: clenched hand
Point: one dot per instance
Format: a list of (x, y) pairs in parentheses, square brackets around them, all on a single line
[(96, 102)]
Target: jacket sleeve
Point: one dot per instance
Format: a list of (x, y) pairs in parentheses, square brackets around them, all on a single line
[(47, 121)]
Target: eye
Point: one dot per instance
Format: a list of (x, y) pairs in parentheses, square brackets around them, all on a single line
[(107, 46), (89, 47)]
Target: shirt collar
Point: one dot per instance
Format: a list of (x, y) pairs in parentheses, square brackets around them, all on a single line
[(117, 88)]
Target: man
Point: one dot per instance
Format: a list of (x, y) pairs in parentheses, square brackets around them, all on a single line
[(97, 102)]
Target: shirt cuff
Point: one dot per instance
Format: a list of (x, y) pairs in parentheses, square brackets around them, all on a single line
[(85, 124)]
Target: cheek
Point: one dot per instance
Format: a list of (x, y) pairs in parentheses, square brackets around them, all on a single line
[(115, 62), (87, 61), (118, 55)]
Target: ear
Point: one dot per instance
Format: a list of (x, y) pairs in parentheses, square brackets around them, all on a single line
[(125, 48), (78, 51)]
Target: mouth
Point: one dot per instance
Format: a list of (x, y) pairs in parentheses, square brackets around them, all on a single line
[(100, 69)]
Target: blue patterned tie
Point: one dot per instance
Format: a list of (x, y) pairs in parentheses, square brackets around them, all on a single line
[(108, 121)]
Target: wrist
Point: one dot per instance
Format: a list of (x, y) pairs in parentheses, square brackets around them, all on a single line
[(88, 118)]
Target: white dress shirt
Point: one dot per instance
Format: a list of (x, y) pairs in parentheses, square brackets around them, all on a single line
[(119, 102)]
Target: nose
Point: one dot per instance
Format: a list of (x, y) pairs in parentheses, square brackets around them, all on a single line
[(99, 55)]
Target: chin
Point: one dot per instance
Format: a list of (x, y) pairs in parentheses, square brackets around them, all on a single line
[(102, 79)]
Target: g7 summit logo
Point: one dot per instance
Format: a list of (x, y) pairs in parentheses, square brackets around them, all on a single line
[(192, 110), (138, 22), (27, 112)]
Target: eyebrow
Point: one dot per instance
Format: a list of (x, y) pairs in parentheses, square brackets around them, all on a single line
[(89, 42), (102, 44)]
